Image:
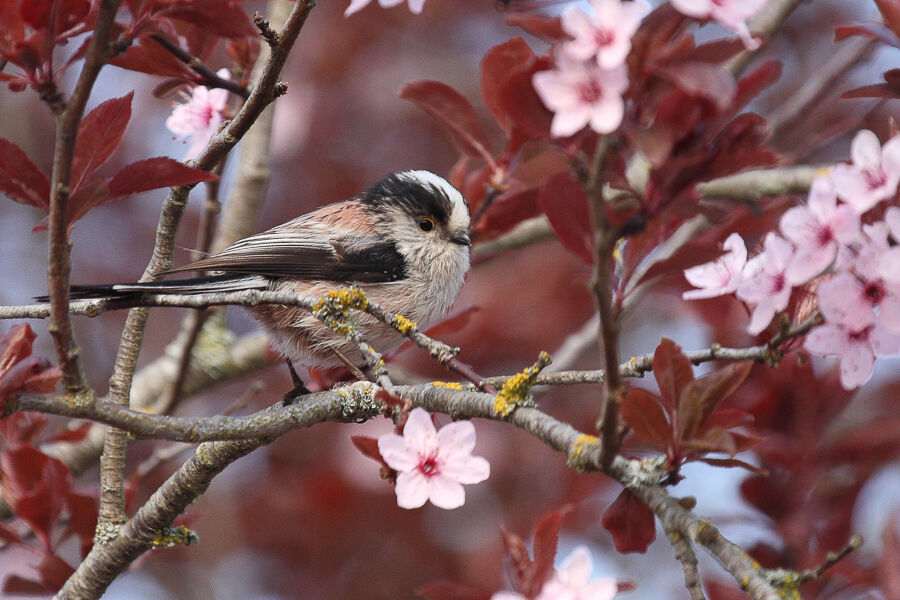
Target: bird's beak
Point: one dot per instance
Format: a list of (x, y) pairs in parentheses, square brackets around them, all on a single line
[(462, 238)]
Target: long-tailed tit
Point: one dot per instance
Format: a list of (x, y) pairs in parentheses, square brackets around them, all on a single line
[(404, 242)]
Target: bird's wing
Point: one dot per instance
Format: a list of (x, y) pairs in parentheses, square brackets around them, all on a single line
[(308, 249)]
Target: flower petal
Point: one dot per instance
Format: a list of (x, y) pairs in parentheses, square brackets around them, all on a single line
[(412, 489), (397, 453), (446, 493)]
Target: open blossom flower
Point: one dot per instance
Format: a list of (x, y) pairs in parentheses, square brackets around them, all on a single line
[(433, 465), (572, 580), (582, 94), (855, 349), (860, 296), (731, 14), (415, 6), (765, 282), (816, 230), (200, 117), (874, 174), (609, 39), (721, 276)]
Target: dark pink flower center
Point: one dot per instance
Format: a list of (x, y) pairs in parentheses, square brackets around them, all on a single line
[(859, 337), (875, 178), (429, 466), (604, 37), (874, 292), (824, 236), (779, 280), (591, 92)]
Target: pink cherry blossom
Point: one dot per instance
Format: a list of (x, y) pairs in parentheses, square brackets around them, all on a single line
[(865, 289), (721, 276), (200, 117), (507, 595), (731, 14), (855, 349), (572, 580), (433, 465), (415, 6), (889, 263), (609, 37), (816, 230), (765, 283), (582, 94), (874, 174)]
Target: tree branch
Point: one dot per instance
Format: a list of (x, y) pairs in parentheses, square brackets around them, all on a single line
[(58, 269), (765, 24)]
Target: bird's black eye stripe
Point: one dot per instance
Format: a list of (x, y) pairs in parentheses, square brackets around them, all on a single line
[(426, 223)]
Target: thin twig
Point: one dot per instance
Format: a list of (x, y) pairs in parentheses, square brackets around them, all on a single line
[(684, 553), (605, 238), (208, 77)]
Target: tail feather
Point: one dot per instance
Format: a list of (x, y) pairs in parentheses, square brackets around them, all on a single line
[(197, 285)]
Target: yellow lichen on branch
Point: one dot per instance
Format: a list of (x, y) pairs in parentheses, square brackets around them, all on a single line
[(517, 389)]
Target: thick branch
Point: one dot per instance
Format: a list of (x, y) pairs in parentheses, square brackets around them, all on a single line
[(66, 131)]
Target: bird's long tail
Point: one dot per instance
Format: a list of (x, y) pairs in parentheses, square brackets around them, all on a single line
[(229, 282)]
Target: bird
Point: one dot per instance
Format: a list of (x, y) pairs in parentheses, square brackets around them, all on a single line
[(404, 241)]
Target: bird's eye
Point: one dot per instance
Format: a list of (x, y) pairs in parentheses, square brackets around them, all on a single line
[(426, 223)]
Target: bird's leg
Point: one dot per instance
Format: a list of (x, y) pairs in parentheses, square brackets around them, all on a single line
[(356, 371), (299, 388)]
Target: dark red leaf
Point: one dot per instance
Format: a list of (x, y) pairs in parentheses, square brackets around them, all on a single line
[(16, 585), (8, 535), (519, 566), (220, 17), (726, 418), (890, 12), (451, 109), (750, 85), (702, 80), (701, 397), (734, 462), (644, 414), (889, 89), (35, 486), (456, 321), (155, 173), (546, 542), (630, 523), (99, 134), (445, 590), (149, 56), (90, 194), (519, 100), (20, 179), (83, 519), (54, 571), (507, 211), (543, 27), (243, 52), (21, 427), (369, 447), (564, 202), (875, 31), (672, 370), (496, 67), (15, 345)]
